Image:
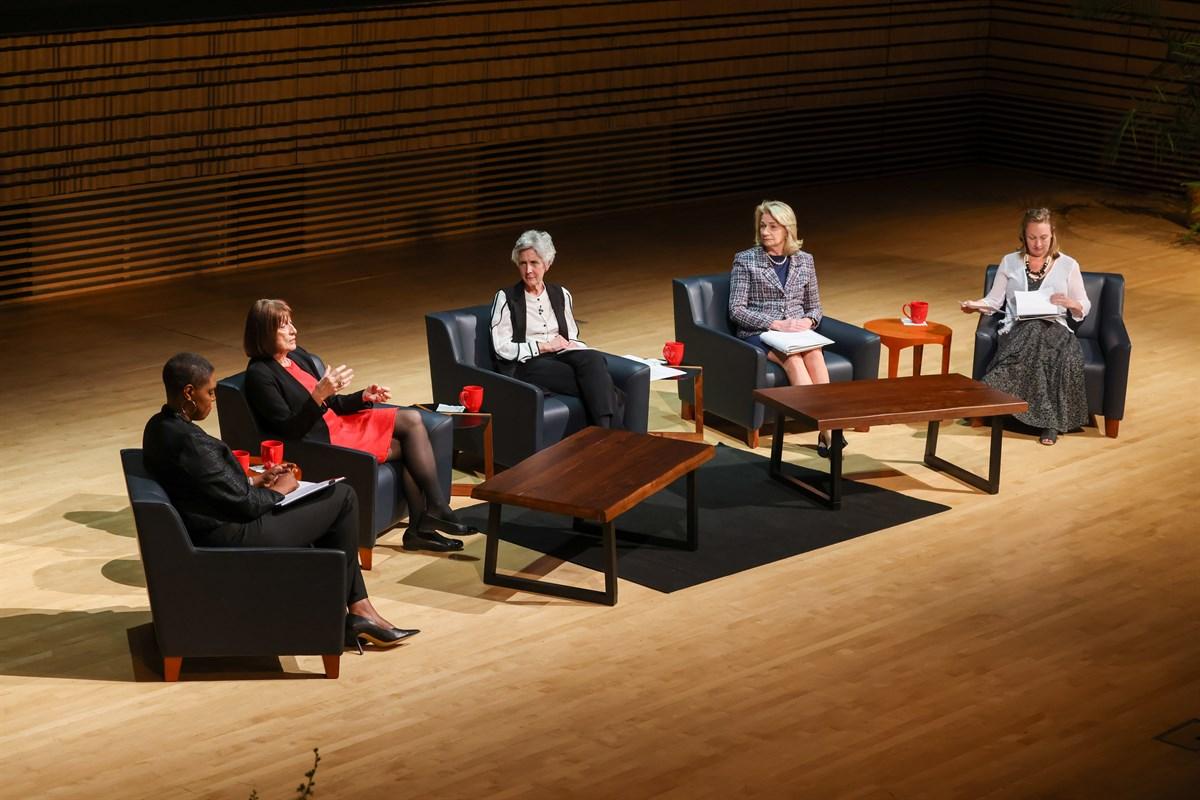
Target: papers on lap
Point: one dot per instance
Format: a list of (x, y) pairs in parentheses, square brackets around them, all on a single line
[(1035, 305), (794, 341), (305, 489), (658, 370)]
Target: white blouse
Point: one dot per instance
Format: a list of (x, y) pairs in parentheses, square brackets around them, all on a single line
[(1064, 277), (540, 325)]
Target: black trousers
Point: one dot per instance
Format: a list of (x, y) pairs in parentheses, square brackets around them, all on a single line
[(327, 519), (580, 373)]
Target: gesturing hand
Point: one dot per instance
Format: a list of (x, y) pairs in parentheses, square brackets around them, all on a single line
[(335, 379), (376, 394)]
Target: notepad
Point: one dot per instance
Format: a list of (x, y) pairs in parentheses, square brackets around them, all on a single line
[(794, 341), (304, 489), (1035, 305)]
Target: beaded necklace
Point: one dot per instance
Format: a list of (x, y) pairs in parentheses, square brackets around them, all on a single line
[(1041, 273)]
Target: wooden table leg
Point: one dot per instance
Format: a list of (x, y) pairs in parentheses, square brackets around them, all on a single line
[(946, 355), (918, 352), (894, 360), (698, 397)]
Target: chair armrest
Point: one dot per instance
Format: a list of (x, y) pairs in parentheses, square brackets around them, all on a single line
[(516, 408), (732, 371), (320, 461), (1114, 341), (633, 379), (987, 331), (857, 345)]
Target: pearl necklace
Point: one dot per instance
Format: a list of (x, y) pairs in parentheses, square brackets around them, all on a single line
[(771, 258)]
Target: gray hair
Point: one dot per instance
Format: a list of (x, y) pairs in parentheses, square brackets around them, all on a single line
[(537, 241)]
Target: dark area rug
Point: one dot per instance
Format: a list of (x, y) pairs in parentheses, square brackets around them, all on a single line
[(746, 520)]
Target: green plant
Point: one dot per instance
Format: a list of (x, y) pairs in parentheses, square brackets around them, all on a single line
[(306, 789), (1166, 120)]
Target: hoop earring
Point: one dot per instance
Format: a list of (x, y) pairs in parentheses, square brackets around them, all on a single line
[(184, 411)]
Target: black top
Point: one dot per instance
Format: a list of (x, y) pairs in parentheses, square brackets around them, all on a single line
[(284, 407), (203, 479)]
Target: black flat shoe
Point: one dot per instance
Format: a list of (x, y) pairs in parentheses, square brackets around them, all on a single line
[(417, 539), (360, 629), (823, 449), (445, 521)]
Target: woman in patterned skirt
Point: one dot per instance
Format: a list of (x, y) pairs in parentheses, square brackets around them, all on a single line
[(1039, 360)]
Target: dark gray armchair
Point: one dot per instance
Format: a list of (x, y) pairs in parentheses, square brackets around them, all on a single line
[(733, 369), (379, 487), (1102, 337), (232, 601), (525, 417)]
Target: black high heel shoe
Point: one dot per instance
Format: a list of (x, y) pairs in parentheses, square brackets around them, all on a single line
[(823, 449), (360, 629), (444, 520)]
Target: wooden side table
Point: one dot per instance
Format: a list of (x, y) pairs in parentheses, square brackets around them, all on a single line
[(464, 420), (896, 336), (693, 412)]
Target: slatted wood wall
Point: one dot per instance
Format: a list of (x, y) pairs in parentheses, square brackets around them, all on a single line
[(143, 153)]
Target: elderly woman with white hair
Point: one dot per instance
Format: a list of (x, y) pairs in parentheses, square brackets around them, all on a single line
[(536, 339), (773, 287)]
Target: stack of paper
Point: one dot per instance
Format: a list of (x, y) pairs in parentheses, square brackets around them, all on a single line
[(658, 370), (1035, 305), (794, 341)]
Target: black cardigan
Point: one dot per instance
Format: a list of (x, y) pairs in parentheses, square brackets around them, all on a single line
[(203, 479), (284, 407)]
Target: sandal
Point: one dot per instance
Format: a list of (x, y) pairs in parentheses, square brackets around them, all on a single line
[(1049, 436)]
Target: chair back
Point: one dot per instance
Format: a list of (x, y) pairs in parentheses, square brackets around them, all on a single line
[(1105, 291), (458, 337), (163, 540), (239, 427), (707, 299)]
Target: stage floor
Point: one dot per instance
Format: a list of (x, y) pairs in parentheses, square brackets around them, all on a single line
[(1027, 644)]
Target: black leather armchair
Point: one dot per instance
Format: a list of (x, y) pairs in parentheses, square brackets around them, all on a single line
[(232, 601), (1102, 337), (525, 417), (733, 369), (379, 487)]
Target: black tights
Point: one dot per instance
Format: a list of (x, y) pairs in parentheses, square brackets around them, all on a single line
[(410, 446)]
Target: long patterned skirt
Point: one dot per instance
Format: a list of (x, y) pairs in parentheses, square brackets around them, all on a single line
[(1040, 361)]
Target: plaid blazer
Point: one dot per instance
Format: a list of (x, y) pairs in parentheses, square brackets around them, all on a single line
[(756, 298)]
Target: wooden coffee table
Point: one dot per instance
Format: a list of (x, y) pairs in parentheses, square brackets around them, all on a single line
[(596, 474), (856, 404), (896, 336)]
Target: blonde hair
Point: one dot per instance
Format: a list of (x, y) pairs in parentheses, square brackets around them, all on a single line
[(1035, 215), (783, 214)]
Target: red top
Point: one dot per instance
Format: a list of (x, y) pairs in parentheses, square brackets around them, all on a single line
[(369, 430)]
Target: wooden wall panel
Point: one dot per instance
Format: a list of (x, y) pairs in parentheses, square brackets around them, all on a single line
[(141, 153)]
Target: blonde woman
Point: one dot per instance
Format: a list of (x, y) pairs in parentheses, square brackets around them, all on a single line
[(1039, 360), (773, 287)]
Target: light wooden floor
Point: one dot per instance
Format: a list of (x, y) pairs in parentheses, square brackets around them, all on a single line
[(1030, 644)]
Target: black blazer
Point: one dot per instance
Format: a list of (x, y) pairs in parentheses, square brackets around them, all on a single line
[(284, 407), (203, 479)]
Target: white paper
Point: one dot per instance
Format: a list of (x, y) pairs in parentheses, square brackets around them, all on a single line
[(658, 370), (1033, 305), (909, 322), (794, 341), (304, 490), (443, 408)]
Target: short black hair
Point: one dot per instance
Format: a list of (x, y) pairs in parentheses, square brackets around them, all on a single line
[(185, 368)]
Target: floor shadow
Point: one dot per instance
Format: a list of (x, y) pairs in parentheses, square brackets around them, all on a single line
[(118, 523), (125, 571), (81, 509)]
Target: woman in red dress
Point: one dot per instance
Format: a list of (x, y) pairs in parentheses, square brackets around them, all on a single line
[(292, 400)]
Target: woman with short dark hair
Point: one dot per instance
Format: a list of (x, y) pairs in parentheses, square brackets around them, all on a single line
[(292, 400), (220, 507)]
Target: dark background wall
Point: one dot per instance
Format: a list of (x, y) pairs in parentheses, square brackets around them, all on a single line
[(141, 152)]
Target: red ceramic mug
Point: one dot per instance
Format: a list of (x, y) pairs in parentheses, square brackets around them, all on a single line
[(243, 458), (272, 453), (917, 311), (471, 397), (673, 353)]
